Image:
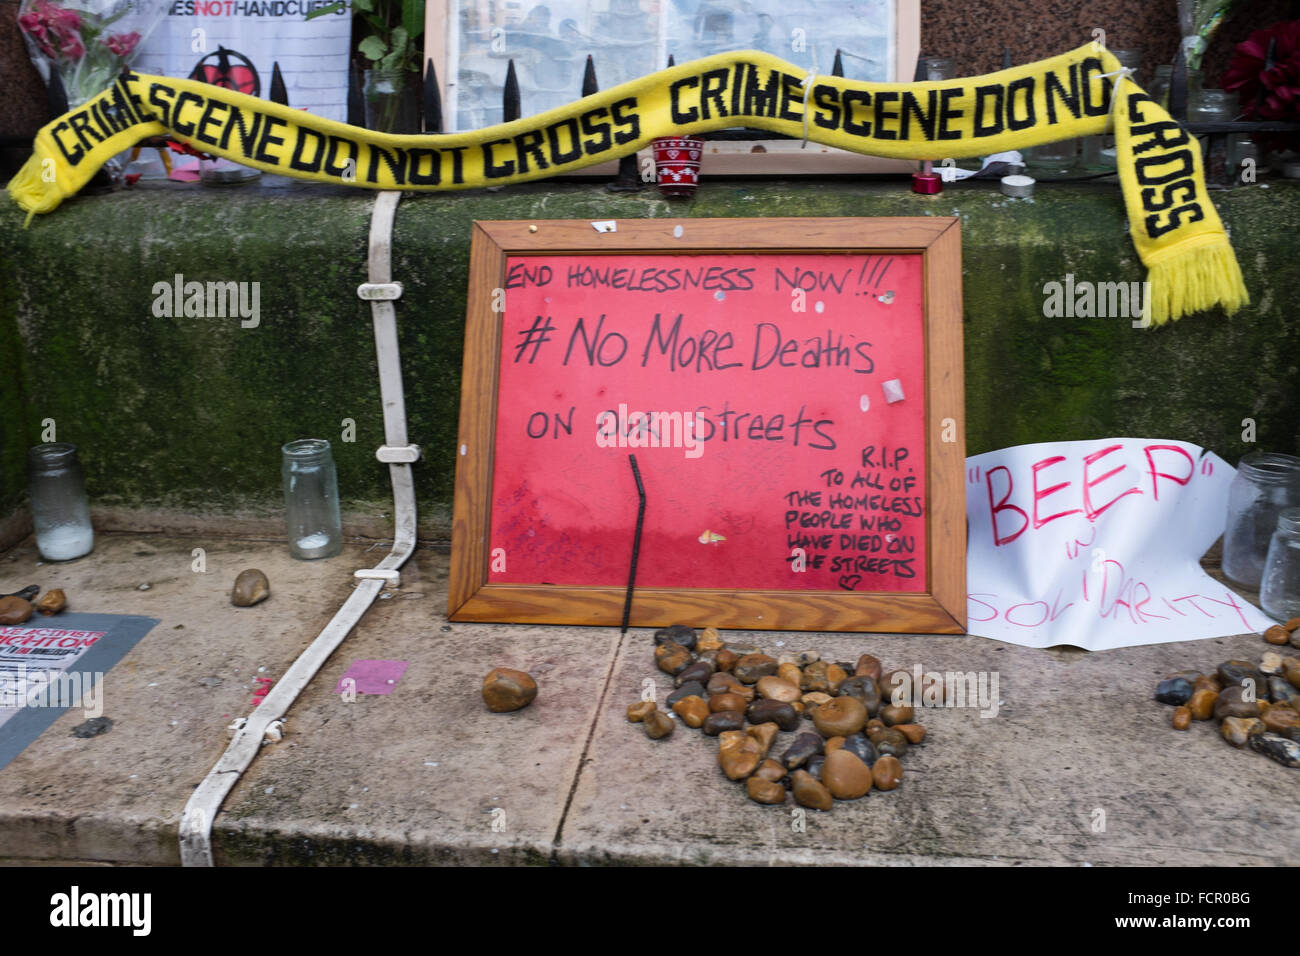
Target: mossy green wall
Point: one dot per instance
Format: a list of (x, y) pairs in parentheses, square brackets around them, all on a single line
[(189, 414)]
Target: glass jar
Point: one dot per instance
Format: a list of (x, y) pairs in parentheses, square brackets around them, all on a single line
[(311, 499), (1279, 593), (1098, 151), (1058, 157), (392, 101), (939, 68), (1265, 485), (60, 509), (1210, 106), (1160, 83)]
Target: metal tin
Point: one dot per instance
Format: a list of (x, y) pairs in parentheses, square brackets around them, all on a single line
[(1017, 186)]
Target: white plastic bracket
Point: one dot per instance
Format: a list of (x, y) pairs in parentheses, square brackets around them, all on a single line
[(390, 577), (379, 291), (398, 454)]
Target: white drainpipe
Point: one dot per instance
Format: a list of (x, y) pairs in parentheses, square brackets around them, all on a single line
[(399, 454)]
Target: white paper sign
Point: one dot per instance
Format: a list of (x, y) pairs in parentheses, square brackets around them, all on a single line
[(313, 54), (1097, 544)]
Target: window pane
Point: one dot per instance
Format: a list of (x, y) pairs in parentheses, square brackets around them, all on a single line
[(549, 43)]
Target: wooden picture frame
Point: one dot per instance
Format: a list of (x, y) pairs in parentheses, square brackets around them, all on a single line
[(761, 157), (941, 608)]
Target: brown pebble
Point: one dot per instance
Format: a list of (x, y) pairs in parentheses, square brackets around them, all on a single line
[(774, 688), (52, 602), (722, 722), (672, 658), (692, 710), (790, 672), (738, 754), (833, 744), (658, 725), (839, 717), (709, 640), (1201, 705), (873, 725), (771, 770), (887, 773), (815, 677), (897, 714), (1279, 717), (762, 790), (1208, 682), (720, 702), (14, 610), (1277, 634), (726, 659), (815, 698), (1291, 671), (1232, 703), (753, 666), (1237, 730), (845, 775), (1293, 624), (914, 733), (1182, 718), (640, 710), (724, 683), (506, 689), (835, 676), (809, 791), (251, 587), (764, 734), (1264, 706), (868, 666)]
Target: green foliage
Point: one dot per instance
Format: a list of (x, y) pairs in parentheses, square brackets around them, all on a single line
[(395, 26)]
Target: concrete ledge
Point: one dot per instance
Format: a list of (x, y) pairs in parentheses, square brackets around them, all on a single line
[(414, 777)]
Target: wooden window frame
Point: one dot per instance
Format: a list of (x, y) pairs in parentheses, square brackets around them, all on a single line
[(763, 157)]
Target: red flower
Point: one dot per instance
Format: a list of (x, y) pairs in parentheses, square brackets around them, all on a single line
[(56, 31), (1271, 93), (122, 43)]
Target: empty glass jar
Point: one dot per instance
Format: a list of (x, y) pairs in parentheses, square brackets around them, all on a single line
[(1266, 484), (1279, 593), (311, 499), (60, 509)]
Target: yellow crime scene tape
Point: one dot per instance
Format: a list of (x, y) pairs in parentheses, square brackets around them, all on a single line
[(1174, 226)]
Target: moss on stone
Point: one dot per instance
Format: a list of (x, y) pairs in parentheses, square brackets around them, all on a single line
[(190, 413)]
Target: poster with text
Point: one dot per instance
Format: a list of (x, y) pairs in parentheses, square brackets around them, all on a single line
[(235, 43)]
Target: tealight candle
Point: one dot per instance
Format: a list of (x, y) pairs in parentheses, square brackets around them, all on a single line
[(1018, 186)]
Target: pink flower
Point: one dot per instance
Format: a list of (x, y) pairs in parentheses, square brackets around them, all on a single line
[(72, 48), (57, 31), (122, 43)]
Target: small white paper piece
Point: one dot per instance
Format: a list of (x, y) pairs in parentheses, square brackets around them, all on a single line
[(1097, 544), (893, 390), (951, 174), (605, 225)]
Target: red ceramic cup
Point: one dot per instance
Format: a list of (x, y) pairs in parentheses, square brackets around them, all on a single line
[(677, 165)]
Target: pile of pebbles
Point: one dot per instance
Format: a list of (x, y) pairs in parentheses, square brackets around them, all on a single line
[(856, 737), (1256, 704)]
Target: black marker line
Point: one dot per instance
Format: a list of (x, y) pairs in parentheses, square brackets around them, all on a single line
[(636, 541)]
